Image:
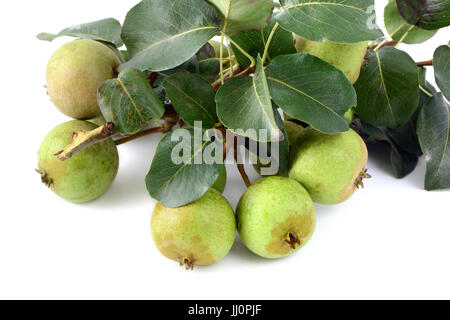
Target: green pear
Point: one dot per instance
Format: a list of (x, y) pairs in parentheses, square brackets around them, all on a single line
[(346, 57), (330, 167), (276, 217), (84, 177), (221, 181), (74, 74), (198, 234)]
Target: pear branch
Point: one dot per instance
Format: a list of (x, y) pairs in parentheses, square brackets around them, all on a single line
[(237, 70), (140, 135), (84, 139), (425, 63), (240, 165)]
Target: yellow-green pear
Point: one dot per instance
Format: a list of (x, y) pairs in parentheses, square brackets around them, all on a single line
[(346, 57), (85, 176), (276, 217), (74, 74), (198, 234), (330, 166)]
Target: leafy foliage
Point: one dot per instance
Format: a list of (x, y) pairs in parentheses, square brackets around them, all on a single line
[(208, 63), (176, 185), (426, 14), (106, 30), (162, 34), (397, 26), (254, 43), (244, 15), (170, 68), (388, 88), (192, 97), (402, 161), (311, 90), (433, 129), (312, 19), (129, 101), (244, 103), (441, 63)]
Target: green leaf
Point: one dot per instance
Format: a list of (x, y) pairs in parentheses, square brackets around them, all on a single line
[(161, 34), (393, 21), (190, 65), (342, 21), (284, 146), (426, 14), (129, 101), (244, 103), (402, 161), (107, 30), (244, 15), (441, 64), (433, 129), (178, 184), (264, 153), (388, 88), (208, 63), (254, 43), (311, 90), (192, 97)]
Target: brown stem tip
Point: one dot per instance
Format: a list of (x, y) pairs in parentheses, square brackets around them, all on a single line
[(293, 241), (359, 183), (45, 178), (84, 139), (186, 263)]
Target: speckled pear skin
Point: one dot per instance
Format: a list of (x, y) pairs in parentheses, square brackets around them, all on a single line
[(270, 211), (346, 57), (84, 177), (328, 165), (199, 234), (74, 74), (221, 181)]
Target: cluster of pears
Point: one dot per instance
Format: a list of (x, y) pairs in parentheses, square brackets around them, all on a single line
[(74, 74), (276, 215)]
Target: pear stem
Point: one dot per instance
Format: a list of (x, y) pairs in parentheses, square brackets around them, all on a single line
[(424, 63), (390, 36), (240, 165), (84, 139), (269, 40), (222, 36), (404, 36), (140, 135), (245, 53), (425, 91), (237, 71)]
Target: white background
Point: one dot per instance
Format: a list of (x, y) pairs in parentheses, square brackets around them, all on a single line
[(391, 240)]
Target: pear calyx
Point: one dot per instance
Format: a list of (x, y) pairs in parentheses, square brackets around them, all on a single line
[(293, 241), (359, 182)]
